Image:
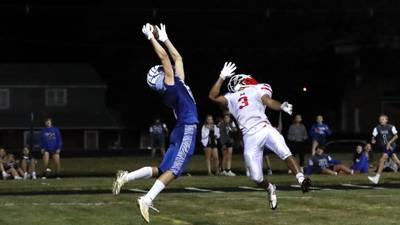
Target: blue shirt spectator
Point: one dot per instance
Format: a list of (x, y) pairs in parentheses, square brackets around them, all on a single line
[(319, 133), (361, 158), (50, 139)]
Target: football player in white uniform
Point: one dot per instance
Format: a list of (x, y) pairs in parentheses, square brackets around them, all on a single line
[(247, 101)]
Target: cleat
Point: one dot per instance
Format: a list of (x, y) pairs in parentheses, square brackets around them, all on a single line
[(144, 208), (272, 198), (374, 179), (119, 181), (230, 173), (305, 185)]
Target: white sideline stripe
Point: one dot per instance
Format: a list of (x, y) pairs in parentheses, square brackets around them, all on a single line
[(201, 190), (137, 190), (67, 204), (251, 188), (312, 188), (358, 186)]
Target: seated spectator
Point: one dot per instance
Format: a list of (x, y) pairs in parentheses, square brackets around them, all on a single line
[(361, 158), (325, 164), (28, 164), (8, 166)]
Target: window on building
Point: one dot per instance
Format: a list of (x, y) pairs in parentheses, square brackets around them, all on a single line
[(36, 138), (56, 97), (91, 139), (4, 98)]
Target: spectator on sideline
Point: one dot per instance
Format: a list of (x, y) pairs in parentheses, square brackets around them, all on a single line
[(384, 136), (326, 164), (319, 133), (158, 133), (28, 164), (8, 165), (209, 135), (297, 135), (361, 159), (226, 127), (50, 143)]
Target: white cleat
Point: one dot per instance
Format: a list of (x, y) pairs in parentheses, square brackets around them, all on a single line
[(119, 181), (144, 207), (230, 173), (374, 179), (272, 198)]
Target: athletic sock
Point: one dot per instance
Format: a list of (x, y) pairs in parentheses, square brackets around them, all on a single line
[(378, 175), (142, 173), (158, 186), (300, 177)]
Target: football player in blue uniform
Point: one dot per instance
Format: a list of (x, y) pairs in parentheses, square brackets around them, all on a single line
[(169, 81)]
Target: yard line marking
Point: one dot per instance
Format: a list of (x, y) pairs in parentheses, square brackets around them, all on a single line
[(312, 188), (251, 188), (357, 186), (201, 190), (137, 190), (379, 188)]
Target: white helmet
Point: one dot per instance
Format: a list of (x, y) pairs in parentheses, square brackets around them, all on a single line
[(239, 81), (155, 78)]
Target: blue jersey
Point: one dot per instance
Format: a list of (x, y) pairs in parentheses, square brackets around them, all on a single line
[(180, 98), (50, 138), (361, 163), (320, 129)]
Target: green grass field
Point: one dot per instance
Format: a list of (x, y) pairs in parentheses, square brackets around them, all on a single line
[(90, 200)]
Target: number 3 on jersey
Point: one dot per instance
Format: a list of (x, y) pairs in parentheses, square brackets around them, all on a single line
[(244, 101)]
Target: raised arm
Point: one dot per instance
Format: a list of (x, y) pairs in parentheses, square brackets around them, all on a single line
[(276, 105), (161, 53), (214, 94), (176, 57)]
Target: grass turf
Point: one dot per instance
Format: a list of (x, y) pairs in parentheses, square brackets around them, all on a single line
[(362, 206)]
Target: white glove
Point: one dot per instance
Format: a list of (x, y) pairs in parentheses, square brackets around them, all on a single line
[(228, 70), (148, 31), (162, 33), (286, 107)]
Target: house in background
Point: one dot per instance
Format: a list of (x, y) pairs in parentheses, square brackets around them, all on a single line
[(363, 104), (73, 95)]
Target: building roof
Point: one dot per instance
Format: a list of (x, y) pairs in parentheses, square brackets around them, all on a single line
[(104, 120), (49, 74)]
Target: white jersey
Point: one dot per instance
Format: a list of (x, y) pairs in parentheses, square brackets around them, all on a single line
[(247, 107)]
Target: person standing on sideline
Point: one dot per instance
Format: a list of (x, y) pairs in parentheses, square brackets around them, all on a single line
[(209, 139), (319, 133), (158, 133), (384, 136), (169, 82), (226, 128), (297, 135), (50, 143)]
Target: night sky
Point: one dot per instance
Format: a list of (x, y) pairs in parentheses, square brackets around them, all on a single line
[(288, 44)]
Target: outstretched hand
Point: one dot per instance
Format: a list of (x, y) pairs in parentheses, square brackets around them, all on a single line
[(286, 107), (228, 70), (162, 33), (148, 31)]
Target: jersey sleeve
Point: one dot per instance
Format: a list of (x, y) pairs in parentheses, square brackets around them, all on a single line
[(265, 89)]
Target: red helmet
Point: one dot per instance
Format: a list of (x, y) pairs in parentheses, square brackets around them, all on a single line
[(240, 80)]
